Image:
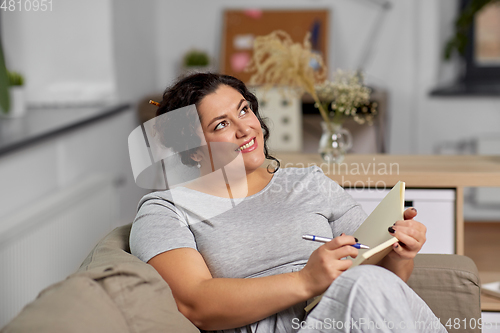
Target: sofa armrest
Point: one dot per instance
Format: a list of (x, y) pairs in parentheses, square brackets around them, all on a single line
[(136, 288), (113, 291), (449, 284)]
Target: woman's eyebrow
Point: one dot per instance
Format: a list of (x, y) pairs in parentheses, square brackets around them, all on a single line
[(239, 104), (217, 118), (225, 115)]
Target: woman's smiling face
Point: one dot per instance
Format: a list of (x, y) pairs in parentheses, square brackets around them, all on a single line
[(226, 116)]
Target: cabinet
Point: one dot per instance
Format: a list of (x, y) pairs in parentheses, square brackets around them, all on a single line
[(66, 182), (435, 207), (283, 116)]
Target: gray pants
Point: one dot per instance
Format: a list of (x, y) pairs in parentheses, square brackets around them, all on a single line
[(370, 299)]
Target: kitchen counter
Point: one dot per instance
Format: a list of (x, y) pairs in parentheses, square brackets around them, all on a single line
[(39, 124)]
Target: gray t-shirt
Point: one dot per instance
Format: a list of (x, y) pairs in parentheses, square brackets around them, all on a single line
[(259, 235)]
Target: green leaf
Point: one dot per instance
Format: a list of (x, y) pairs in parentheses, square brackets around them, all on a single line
[(4, 84)]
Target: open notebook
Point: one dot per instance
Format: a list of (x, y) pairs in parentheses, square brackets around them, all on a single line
[(373, 232)]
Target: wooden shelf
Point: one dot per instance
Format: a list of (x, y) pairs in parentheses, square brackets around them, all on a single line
[(429, 171), (489, 303)]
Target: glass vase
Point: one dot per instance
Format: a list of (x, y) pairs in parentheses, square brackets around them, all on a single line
[(334, 143)]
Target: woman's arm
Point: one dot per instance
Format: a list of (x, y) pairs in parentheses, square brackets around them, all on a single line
[(401, 267), (411, 235), (222, 303)]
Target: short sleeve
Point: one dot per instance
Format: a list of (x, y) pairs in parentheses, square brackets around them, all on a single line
[(158, 227), (345, 214)]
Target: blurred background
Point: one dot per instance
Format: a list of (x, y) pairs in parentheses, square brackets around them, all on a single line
[(89, 66)]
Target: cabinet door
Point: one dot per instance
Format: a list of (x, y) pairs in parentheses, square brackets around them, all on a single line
[(435, 207), (284, 119)]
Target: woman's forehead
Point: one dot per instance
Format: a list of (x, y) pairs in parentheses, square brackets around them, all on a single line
[(222, 94), (222, 100)]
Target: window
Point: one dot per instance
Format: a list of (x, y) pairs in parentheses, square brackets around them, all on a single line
[(482, 55), (482, 52)]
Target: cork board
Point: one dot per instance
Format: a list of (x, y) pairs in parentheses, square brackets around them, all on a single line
[(242, 26)]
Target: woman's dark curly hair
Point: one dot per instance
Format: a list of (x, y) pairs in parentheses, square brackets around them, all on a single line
[(191, 90)]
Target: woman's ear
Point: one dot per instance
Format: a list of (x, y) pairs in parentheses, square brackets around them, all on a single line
[(196, 157)]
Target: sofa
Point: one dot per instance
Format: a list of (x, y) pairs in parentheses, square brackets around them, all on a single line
[(113, 291)]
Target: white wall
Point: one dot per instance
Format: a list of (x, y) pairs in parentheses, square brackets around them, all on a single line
[(183, 25), (407, 60), (102, 42), (65, 54), (135, 48), (445, 119), (138, 50)]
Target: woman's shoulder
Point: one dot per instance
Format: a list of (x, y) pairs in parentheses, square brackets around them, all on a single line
[(164, 198), (160, 195)]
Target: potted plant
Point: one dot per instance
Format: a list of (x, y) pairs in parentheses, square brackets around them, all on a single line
[(4, 84), (196, 61), (15, 84), (12, 103)]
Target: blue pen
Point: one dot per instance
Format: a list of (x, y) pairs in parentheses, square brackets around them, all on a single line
[(326, 240)]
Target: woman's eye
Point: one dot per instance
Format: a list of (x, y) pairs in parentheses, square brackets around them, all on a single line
[(245, 109), (224, 123), (219, 125)]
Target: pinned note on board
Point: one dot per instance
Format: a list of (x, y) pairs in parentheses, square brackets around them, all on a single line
[(243, 42), (239, 61), (253, 13)]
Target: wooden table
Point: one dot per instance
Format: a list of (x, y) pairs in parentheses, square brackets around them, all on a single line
[(417, 171), (489, 303)]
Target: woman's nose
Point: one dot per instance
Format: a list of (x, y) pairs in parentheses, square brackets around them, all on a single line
[(242, 129)]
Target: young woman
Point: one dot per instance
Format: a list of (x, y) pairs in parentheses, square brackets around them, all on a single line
[(244, 267)]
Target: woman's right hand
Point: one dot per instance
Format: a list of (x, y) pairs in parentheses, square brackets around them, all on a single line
[(325, 264)]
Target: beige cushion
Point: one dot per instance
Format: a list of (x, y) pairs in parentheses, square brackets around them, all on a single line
[(77, 304), (140, 293), (113, 291), (449, 284)]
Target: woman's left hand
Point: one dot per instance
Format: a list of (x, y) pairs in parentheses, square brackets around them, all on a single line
[(411, 236)]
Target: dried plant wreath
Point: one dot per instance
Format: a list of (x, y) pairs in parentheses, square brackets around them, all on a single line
[(279, 61)]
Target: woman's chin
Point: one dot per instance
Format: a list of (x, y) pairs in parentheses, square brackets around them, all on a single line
[(254, 161)]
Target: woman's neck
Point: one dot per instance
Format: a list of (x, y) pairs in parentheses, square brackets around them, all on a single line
[(216, 184)]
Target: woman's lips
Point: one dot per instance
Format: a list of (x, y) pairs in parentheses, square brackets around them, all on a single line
[(248, 147)]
